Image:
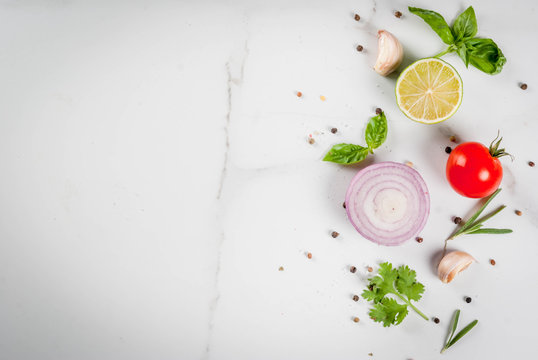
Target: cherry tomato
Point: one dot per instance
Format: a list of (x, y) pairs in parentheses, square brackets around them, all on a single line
[(473, 170)]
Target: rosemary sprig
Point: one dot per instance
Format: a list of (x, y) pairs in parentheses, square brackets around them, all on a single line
[(474, 225), (453, 339)]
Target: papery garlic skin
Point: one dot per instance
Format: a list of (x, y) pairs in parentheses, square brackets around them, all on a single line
[(389, 53), (453, 263)]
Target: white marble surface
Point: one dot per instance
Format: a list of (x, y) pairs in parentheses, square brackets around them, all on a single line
[(156, 175)]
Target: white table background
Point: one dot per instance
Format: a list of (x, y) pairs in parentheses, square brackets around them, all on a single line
[(155, 174)]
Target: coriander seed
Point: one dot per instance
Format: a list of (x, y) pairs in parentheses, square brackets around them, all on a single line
[(353, 269), (309, 255), (398, 14), (492, 262), (357, 17), (334, 234), (299, 94), (334, 130), (523, 86), (531, 164), (518, 212), (311, 141), (457, 220), (356, 319), (360, 48), (370, 269), (378, 111), (419, 240), (355, 297)]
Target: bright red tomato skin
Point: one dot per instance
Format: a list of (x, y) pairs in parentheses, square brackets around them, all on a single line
[(472, 171)]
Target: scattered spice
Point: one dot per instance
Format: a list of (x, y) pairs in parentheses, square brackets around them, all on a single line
[(311, 141), (523, 86), (419, 239), (436, 320), (457, 220), (323, 98), (370, 269), (378, 111), (531, 164), (468, 299), (309, 255), (492, 262), (355, 297), (334, 234), (357, 17), (398, 14), (281, 268), (334, 130), (299, 94), (370, 354), (448, 149), (518, 212), (353, 269), (409, 163), (360, 48), (453, 139), (356, 319), (344, 204)]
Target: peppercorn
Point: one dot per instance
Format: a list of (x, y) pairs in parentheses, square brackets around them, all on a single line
[(457, 220), (518, 213), (436, 320), (334, 234), (492, 262), (353, 269), (398, 14), (360, 48), (299, 94), (344, 204), (468, 299), (311, 141), (309, 255), (369, 268), (419, 239), (356, 319), (523, 86), (357, 17), (448, 149), (378, 111), (355, 297), (531, 164), (334, 130)]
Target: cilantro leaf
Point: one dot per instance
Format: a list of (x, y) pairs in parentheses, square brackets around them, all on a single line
[(389, 312), (401, 283)]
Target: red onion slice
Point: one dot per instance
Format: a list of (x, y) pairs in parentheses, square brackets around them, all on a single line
[(388, 203)]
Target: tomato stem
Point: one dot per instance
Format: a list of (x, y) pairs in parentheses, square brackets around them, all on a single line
[(494, 148)]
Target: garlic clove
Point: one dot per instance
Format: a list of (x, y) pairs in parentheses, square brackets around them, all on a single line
[(389, 53), (453, 263)]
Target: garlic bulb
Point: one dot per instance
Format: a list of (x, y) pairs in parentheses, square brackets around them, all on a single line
[(453, 263), (389, 53)]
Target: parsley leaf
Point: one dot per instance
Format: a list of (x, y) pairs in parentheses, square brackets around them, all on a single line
[(401, 283)]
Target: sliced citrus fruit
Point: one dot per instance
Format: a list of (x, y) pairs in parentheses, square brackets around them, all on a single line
[(429, 91)]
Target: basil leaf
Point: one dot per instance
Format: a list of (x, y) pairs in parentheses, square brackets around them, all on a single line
[(376, 131), (436, 22), (346, 154), (485, 55), (465, 24), (462, 52)]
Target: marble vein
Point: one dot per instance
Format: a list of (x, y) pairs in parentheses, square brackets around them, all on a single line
[(230, 83)]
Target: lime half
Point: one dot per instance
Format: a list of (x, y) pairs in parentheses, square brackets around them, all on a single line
[(429, 91)]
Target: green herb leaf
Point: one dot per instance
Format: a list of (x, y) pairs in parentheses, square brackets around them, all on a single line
[(464, 331), (491, 231), (389, 312), (402, 284), (346, 154), (462, 52), (436, 22), (469, 223), (485, 55), (407, 285), (376, 131), (465, 25), (454, 326)]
